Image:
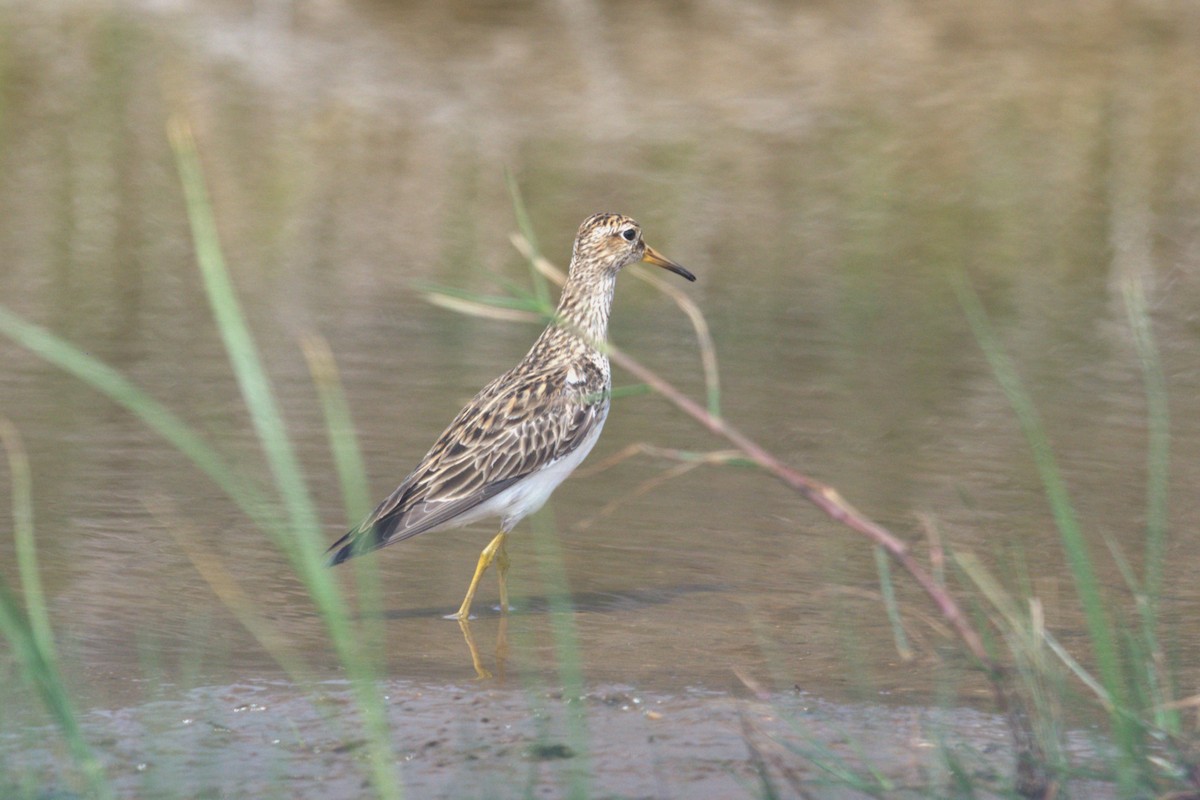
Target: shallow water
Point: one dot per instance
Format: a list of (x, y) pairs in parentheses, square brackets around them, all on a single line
[(823, 172)]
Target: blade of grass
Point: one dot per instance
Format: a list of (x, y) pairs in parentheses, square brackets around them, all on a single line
[(265, 413), (343, 443), (304, 545), (525, 225), (1022, 625), (244, 607), (883, 566), (472, 308), (1100, 629), (704, 340), (27, 568), (1158, 460), (514, 301), (352, 475), (29, 634), (566, 647), (99, 376), (1159, 448)]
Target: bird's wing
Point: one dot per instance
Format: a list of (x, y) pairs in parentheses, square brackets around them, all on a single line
[(519, 423)]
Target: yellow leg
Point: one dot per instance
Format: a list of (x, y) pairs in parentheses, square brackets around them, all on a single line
[(485, 560), (502, 574)]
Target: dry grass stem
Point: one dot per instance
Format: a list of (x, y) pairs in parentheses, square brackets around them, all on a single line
[(704, 340), (643, 488), (937, 553), (542, 264), (757, 689), (688, 461), (712, 458), (768, 757), (476, 309)]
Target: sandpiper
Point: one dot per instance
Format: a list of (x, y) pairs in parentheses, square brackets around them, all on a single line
[(527, 430)]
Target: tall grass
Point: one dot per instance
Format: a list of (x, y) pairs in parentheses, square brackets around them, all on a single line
[(1158, 460), (296, 532), (26, 626), (1131, 683), (300, 537), (567, 651), (352, 477)]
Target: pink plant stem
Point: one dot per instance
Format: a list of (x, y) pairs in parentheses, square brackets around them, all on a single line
[(821, 495)]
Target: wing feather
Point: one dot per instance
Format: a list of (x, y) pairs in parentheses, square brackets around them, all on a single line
[(516, 425)]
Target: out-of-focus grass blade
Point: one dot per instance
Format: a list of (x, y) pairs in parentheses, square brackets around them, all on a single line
[(566, 647), (1158, 463), (343, 443), (1158, 458), (154, 415), (883, 567), (303, 545), (27, 566), (265, 413), (704, 340), (1100, 629), (524, 224), (352, 475), (481, 308), (517, 301), (29, 633)]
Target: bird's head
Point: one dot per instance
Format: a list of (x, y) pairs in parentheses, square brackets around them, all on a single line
[(613, 241)]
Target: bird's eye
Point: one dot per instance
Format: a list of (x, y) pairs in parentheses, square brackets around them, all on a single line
[(630, 234)]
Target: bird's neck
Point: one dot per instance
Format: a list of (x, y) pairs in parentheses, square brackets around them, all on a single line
[(585, 304)]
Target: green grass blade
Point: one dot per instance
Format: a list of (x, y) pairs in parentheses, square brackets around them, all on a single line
[(29, 633), (1100, 628), (541, 286), (888, 590), (1158, 457), (343, 442), (352, 476), (104, 379), (27, 568), (567, 649), (517, 300), (305, 545), (1158, 460), (265, 413)]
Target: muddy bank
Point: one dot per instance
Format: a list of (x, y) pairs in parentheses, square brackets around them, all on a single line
[(270, 739)]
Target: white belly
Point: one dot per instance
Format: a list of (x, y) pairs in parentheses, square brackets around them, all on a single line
[(531, 493)]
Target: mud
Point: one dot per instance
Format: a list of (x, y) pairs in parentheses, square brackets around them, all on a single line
[(272, 739)]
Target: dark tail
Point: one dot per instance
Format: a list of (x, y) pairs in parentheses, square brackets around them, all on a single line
[(341, 550), (354, 543)]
